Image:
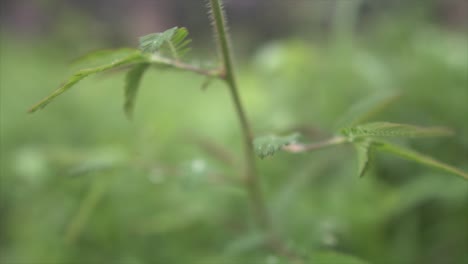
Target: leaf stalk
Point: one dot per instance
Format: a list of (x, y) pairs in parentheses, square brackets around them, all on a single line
[(158, 60), (299, 148)]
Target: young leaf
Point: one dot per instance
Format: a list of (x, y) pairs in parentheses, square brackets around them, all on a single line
[(364, 155), (386, 129), (129, 59), (268, 145), (132, 82), (420, 158), (171, 43), (366, 108)]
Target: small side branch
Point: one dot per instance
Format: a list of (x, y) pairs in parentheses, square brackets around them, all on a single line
[(215, 73), (299, 148), (188, 67)]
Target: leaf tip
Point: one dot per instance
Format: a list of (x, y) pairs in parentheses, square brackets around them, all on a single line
[(31, 110), (36, 107)]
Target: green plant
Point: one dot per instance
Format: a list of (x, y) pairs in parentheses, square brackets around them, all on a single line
[(167, 50), (366, 138)]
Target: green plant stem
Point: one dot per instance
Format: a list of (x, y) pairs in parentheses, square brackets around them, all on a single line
[(252, 179)]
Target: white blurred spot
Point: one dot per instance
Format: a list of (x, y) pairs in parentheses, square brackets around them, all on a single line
[(30, 164), (198, 166), (328, 230)]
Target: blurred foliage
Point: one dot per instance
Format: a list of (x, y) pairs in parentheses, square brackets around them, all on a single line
[(79, 183)]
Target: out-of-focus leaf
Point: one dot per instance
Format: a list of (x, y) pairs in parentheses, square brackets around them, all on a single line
[(269, 145), (387, 129), (330, 257), (245, 244), (364, 155), (420, 158), (131, 58), (415, 193), (171, 43), (365, 109), (132, 83)]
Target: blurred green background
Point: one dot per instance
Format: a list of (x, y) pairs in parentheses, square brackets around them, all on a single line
[(82, 184)]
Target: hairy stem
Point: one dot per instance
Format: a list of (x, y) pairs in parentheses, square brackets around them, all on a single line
[(252, 179)]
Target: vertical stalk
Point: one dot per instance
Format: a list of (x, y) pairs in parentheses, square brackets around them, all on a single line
[(344, 22), (252, 179)]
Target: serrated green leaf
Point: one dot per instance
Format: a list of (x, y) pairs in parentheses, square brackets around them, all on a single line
[(364, 109), (131, 58), (269, 145), (420, 158), (330, 257), (171, 43), (387, 129), (132, 83), (364, 155)]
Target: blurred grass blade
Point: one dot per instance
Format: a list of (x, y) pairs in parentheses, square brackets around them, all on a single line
[(330, 257), (387, 129), (420, 158), (172, 43), (364, 155), (130, 58), (87, 206), (269, 145), (132, 83), (365, 109)]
